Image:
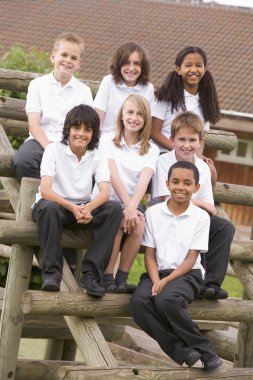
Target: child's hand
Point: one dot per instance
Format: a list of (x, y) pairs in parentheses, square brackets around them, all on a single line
[(83, 214), (158, 287), (129, 219), (207, 160)]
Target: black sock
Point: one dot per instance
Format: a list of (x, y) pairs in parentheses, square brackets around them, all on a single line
[(108, 279)]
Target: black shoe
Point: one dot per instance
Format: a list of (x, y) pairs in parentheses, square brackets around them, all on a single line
[(215, 293), (129, 288), (206, 293), (116, 289), (90, 283), (192, 358), (50, 285), (211, 364)]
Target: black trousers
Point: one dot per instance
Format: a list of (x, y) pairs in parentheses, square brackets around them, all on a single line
[(51, 217), (165, 317), (215, 261), (27, 159)]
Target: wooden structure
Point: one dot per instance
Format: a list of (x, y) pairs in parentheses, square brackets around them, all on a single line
[(81, 320)]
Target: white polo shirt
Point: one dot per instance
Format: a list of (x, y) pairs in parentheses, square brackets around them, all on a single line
[(173, 236), (110, 97), (72, 179), (128, 161), (162, 111), (47, 97), (160, 177)]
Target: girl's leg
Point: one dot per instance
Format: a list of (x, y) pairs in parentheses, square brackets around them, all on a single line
[(115, 252)]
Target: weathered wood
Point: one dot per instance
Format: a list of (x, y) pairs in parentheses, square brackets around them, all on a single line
[(39, 369), (17, 282), (145, 373), (54, 349), (6, 167), (15, 128), (11, 108), (224, 344), (10, 185), (5, 205), (13, 232), (15, 80), (80, 304), (218, 139), (7, 215), (242, 250), (233, 194), (244, 272), (6, 250)]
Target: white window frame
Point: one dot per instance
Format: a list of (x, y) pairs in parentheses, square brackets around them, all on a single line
[(233, 156)]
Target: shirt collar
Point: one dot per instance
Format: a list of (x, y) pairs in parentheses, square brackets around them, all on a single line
[(187, 94), (69, 152), (135, 146), (70, 83), (135, 88), (187, 212), (173, 152)]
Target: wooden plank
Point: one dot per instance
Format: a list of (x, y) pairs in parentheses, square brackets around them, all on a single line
[(80, 304), (233, 194), (6, 167), (154, 373)]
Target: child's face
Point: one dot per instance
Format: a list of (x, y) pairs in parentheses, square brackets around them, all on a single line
[(182, 185), (192, 71), (66, 59), (131, 70), (186, 144), (132, 117), (80, 137)]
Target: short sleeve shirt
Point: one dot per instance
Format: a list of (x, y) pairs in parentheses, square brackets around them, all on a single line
[(52, 101), (128, 161), (173, 236), (160, 177), (162, 111), (72, 179), (110, 97)]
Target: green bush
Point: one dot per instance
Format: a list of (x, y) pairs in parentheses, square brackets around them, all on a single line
[(20, 57)]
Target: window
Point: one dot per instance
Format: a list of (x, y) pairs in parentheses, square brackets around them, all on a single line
[(242, 154)]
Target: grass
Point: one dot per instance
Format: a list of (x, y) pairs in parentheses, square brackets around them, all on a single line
[(231, 284)]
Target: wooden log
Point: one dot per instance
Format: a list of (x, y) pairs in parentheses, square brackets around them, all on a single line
[(6, 167), (218, 139), (15, 80), (233, 194), (13, 232), (11, 108), (11, 185), (154, 373), (242, 250), (39, 369), (5, 205), (224, 344), (7, 215), (6, 250), (15, 128), (17, 282), (244, 271), (80, 304)]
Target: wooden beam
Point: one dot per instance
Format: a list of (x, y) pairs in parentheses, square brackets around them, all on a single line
[(218, 139), (82, 305), (6, 166), (233, 194), (11, 108), (15, 128)]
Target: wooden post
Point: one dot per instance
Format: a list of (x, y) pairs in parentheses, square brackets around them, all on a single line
[(17, 282)]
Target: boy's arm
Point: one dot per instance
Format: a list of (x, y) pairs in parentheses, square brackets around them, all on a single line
[(210, 208), (151, 265), (35, 129), (181, 270)]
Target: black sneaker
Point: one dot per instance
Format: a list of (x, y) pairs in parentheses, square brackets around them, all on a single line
[(116, 289), (211, 364), (49, 284), (129, 288), (192, 358), (90, 283), (215, 293)]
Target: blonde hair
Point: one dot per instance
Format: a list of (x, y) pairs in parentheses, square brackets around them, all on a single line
[(69, 37), (188, 120), (143, 106)]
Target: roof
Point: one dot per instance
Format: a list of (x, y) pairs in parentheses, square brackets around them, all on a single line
[(225, 33)]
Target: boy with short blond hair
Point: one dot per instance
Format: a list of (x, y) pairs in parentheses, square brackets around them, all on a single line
[(187, 135), (49, 99)]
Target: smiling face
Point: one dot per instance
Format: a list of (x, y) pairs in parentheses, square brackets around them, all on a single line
[(186, 143), (132, 118), (79, 139), (182, 185), (131, 70), (66, 60), (192, 71)]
